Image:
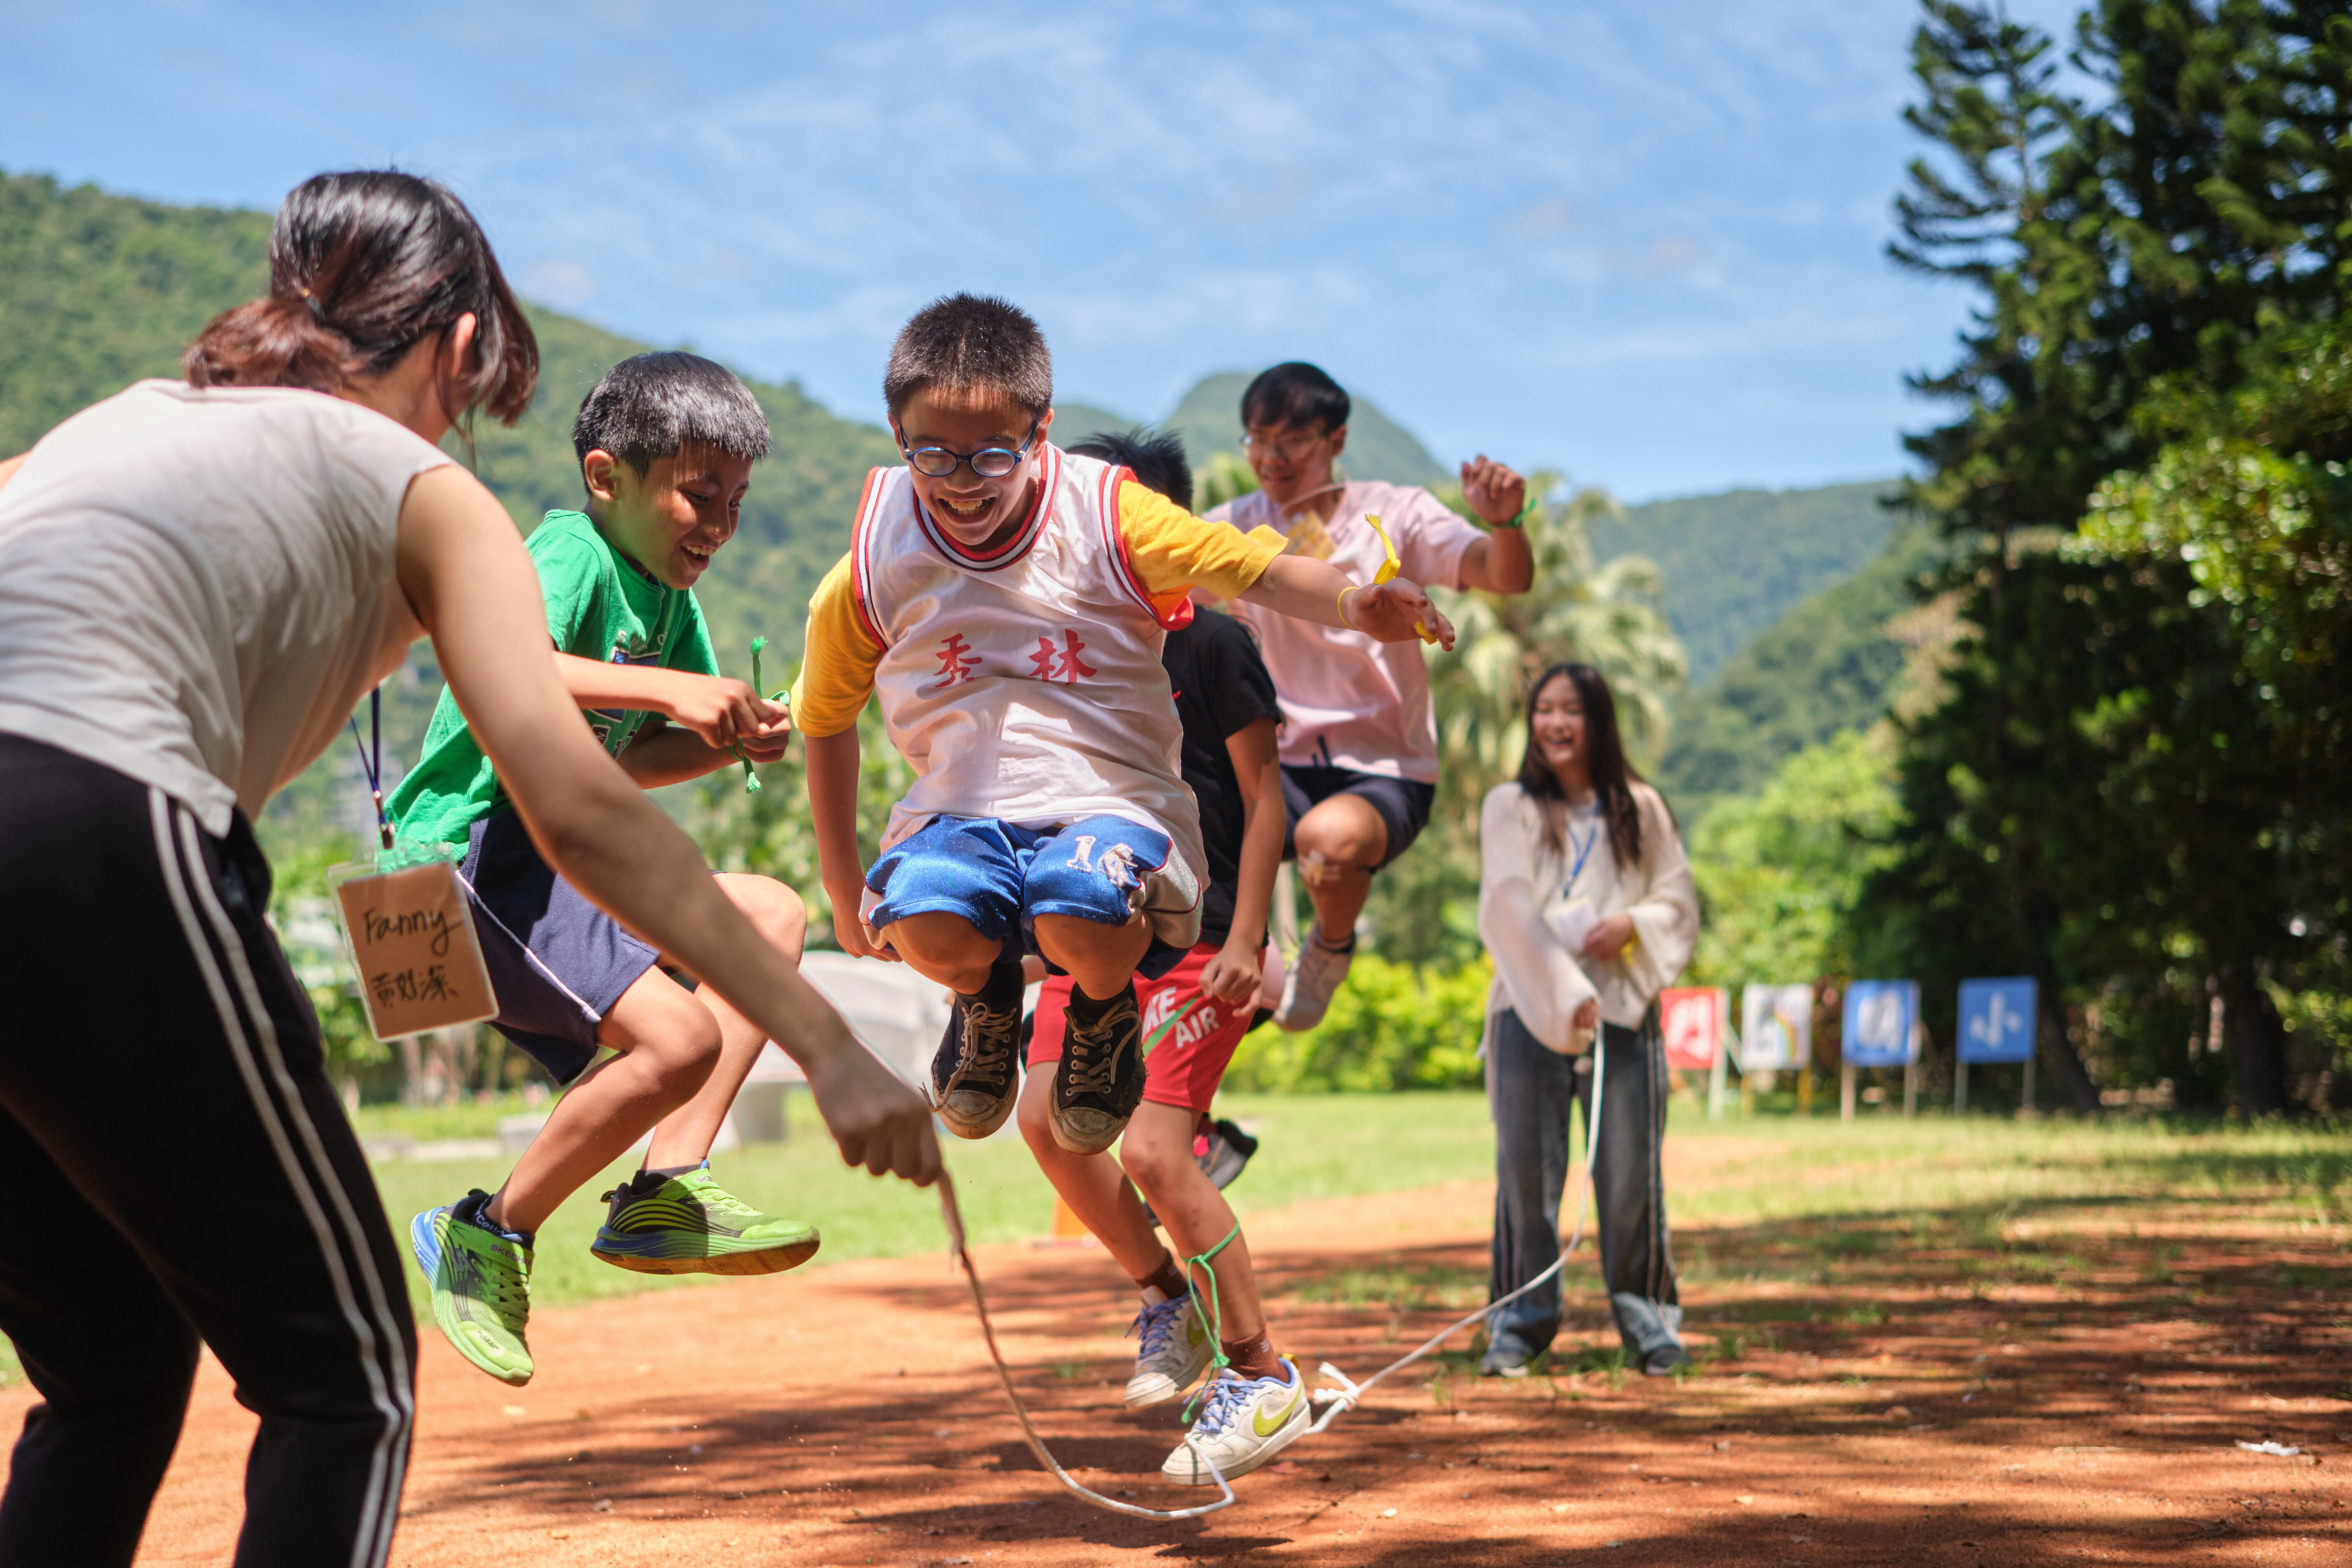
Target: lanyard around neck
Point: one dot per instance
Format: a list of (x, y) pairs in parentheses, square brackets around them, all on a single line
[(1582, 850), (373, 765)]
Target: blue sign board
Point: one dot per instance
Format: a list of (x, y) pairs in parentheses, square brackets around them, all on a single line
[(1879, 1019), (1996, 1020)]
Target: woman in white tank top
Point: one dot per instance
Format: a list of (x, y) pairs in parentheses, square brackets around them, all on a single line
[(196, 581)]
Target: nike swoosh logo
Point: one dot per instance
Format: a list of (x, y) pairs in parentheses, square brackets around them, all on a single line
[(1264, 1428)]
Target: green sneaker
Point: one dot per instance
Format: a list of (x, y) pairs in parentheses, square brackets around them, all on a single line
[(691, 1224), (482, 1286)]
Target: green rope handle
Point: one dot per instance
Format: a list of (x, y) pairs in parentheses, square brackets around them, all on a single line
[(751, 779), (1214, 1320)]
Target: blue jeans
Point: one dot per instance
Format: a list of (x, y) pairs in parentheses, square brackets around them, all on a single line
[(1531, 1092)]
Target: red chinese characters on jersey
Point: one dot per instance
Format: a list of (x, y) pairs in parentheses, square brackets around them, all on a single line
[(1061, 664), (957, 661)]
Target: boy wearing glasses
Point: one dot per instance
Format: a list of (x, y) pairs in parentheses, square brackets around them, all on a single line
[(1359, 734), (1006, 602)]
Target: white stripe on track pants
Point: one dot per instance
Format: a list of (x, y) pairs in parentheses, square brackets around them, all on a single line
[(175, 1165)]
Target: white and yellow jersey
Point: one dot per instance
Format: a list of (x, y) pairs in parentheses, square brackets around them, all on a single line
[(1024, 684)]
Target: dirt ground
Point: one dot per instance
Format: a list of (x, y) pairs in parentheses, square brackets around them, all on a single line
[(1863, 1396)]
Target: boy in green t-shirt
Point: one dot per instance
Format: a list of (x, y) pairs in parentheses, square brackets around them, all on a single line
[(666, 442)]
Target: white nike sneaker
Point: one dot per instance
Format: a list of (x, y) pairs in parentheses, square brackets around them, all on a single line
[(1245, 1423), (1175, 1352), (1308, 989)]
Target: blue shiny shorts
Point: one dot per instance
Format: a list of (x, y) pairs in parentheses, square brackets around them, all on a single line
[(1000, 878)]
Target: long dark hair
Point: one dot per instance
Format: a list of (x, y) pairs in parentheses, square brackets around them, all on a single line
[(362, 266), (1604, 753)]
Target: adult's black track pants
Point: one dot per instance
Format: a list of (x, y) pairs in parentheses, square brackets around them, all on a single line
[(174, 1166)]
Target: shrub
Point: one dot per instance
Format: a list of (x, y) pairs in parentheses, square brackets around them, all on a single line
[(1393, 1025)]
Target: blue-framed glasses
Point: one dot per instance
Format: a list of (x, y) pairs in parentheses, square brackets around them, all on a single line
[(989, 462)]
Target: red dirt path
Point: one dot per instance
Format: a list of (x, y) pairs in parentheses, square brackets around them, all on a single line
[(846, 1416)]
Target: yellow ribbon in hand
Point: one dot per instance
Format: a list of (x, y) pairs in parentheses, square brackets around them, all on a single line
[(1389, 568)]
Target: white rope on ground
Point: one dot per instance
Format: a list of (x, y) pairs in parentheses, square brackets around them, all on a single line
[(1346, 1397), (1351, 1393), (953, 1215)]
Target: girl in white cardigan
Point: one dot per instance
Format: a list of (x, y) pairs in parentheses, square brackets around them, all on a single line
[(1585, 901)]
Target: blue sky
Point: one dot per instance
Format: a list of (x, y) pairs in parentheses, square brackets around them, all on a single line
[(1640, 243)]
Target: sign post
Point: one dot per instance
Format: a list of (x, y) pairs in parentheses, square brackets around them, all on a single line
[(1996, 1025), (1881, 1030), (1776, 1032), (1692, 1018)]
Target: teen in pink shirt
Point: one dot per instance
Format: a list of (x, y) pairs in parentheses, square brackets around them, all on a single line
[(1359, 736)]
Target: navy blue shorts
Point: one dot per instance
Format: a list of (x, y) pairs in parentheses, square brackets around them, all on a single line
[(1402, 804), (1000, 878), (557, 962)]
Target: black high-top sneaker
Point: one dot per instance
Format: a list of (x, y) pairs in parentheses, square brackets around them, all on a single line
[(1099, 1082), (977, 1068)]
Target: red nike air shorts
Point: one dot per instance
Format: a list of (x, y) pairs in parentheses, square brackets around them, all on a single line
[(1188, 1036)]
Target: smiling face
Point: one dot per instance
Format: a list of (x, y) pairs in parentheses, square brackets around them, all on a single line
[(979, 513), (1556, 725), (1292, 461), (672, 519)]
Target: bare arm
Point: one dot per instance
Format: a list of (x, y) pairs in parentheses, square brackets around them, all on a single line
[(8, 467), (664, 753), (833, 764), (472, 585), (723, 711), (1502, 563), (1310, 590), (1234, 973)]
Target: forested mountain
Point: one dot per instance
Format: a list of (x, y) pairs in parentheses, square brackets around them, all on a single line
[(1829, 663), (1736, 562)]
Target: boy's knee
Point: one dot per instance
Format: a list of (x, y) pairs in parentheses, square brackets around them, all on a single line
[(1343, 833), (1152, 1160), (938, 937), (775, 911)]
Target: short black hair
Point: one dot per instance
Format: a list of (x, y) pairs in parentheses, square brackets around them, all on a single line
[(1156, 456), (966, 342), (1295, 392), (656, 406)]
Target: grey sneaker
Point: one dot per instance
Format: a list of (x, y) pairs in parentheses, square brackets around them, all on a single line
[(1665, 1361), (1099, 1082), (1174, 1352), (1502, 1361), (977, 1069), (1308, 989)]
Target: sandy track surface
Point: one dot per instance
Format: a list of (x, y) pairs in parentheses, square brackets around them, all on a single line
[(847, 1415)]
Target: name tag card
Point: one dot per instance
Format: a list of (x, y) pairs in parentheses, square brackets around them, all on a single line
[(413, 946)]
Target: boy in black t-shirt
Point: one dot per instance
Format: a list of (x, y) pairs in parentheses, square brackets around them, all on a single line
[(1193, 1016)]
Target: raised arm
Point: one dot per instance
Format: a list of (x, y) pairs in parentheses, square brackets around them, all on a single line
[(471, 583), (1501, 563)]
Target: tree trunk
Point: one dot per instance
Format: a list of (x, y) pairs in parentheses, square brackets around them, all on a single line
[(2057, 1048), (2255, 1043)]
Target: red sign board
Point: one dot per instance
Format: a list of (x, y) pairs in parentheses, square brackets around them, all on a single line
[(1692, 1017)]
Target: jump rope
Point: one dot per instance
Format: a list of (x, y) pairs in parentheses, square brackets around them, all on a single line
[(1344, 1397)]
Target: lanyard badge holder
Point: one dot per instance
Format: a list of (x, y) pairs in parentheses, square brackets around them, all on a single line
[(406, 927)]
